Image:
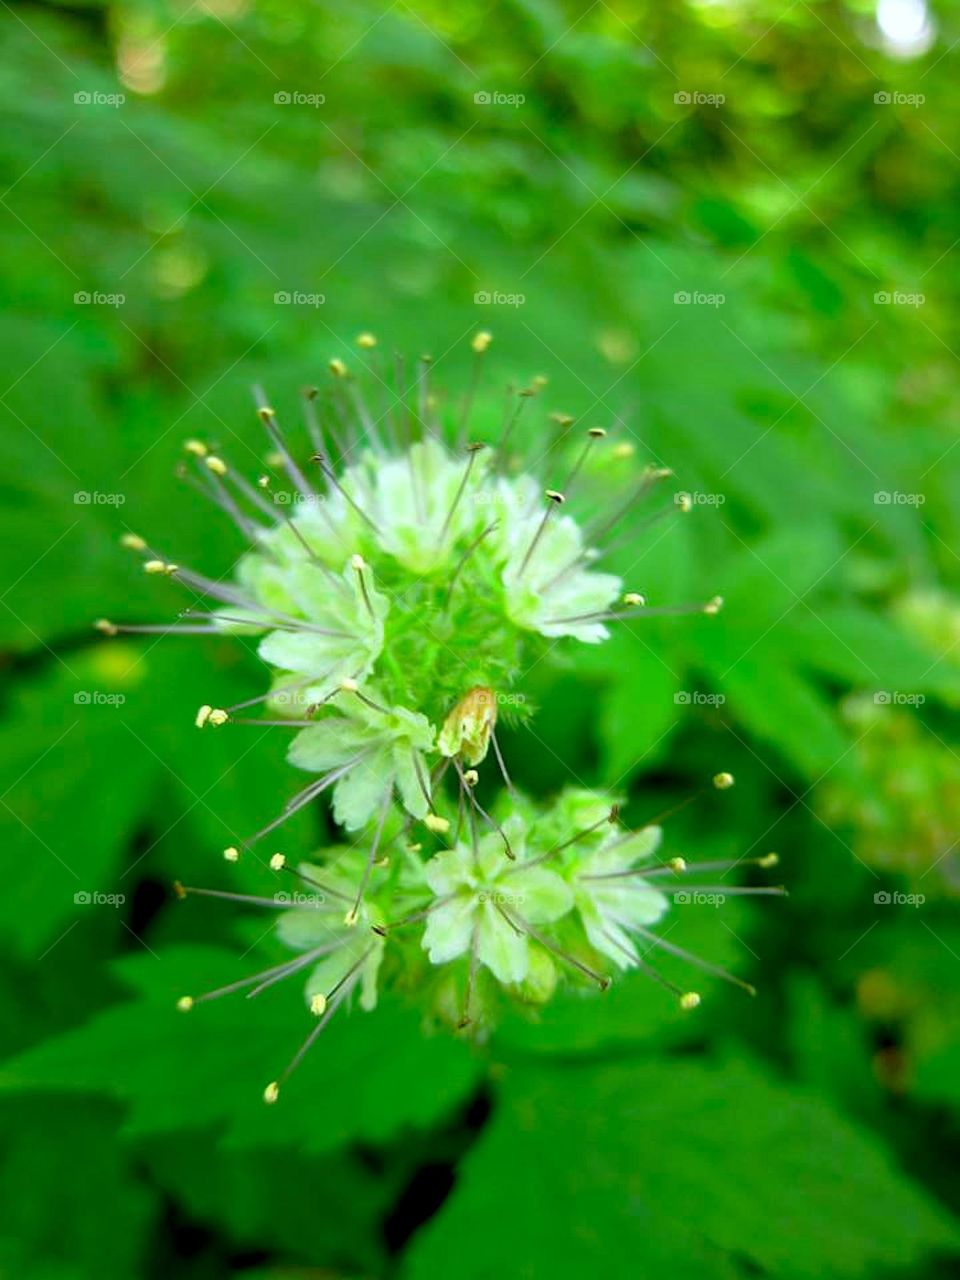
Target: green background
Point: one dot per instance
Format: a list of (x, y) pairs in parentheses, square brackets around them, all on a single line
[(735, 153)]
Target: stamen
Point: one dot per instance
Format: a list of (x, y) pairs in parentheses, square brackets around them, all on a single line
[(466, 556), (358, 564), (297, 802), (593, 435), (682, 954), (472, 450), (371, 857), (500, 762), (525, 927), (328, 472), (465, 1018), (334, 999), (556, 499), (642, 610), (480, 342), (269, 420), (468, 789)]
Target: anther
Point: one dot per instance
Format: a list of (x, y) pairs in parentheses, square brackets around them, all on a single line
[(723, 781), (231, 854), (597, 433), (271, 1093), (481, 341), (435, 823), (768, 860), (179, 890), (203, 715), (624, 450), (196, 447), (351, 918), (105, 626), (216, 465), (277, 862), (563, 419), (337, 367), (634, 598), (217, 717), (689, 1000), (684, 503), (677, 864), (471, 777), (133, 542), (367, 341), (713, 606), (185, 1004), (318, 1005), (265, 413), (556, 496)]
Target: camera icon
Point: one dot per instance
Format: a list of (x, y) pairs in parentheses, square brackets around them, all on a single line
[(281, 899), (81, 498), (282, 299), (682, 99), (882, 98), (282, 498), (482, 299), (682, 698), (682, 299), (882, 898), (881, 698), (282, 98), (82, 698), (882, 498), (82, 299), (681, 898), (882, 298), (83, 98), (82, 899), (482, 99)]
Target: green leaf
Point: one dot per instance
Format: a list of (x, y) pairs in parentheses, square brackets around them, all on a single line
[(369, 1077), (679, 1169)]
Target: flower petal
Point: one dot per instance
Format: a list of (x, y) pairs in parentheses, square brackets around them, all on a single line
[(450, 929), (504, 951)]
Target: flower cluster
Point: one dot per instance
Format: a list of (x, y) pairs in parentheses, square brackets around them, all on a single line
[(401, 581)]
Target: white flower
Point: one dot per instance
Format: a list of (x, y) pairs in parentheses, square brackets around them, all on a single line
[(369, 750), (545, 576), (611, 901), (490, 900)]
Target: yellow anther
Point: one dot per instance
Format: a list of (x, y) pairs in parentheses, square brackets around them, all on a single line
[(105, 626), (196, 447), (435, 823), (185, 1004), (217, 717), (271, 1093), (203, 715), (232, 853), (367, 341), (216, 465), (480, 341), (133, 542), (277, 862), (723, 781), (318, 1004), (689, 1000)]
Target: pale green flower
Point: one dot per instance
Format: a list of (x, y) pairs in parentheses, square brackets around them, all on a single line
[(612, 900), (486, 902), (370, 749)]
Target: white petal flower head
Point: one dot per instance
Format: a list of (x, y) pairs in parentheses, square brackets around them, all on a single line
[(613, 903), (548, 586), (368, 750), (485, 902)]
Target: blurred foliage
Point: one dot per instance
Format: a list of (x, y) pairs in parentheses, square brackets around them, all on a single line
[(812, 1131)]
